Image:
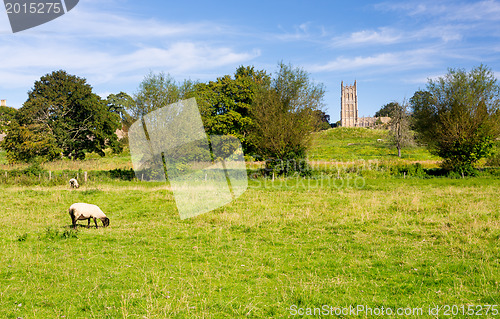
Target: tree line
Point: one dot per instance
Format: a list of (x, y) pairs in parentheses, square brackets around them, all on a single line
[(271, 114), (457, 116)]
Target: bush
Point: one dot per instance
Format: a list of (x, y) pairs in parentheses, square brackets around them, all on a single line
[(493, 161), (122, 174), (459, 118), (33, 170), (288, 167), (414, 170)]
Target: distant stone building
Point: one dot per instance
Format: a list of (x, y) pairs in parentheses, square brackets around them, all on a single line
[(349, 110), (348, 105), (3, 102)]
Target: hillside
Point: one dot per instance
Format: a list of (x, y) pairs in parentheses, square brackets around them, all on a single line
[(348, 144)]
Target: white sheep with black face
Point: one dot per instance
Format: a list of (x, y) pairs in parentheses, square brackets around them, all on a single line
[(73, 183), (82, 211)]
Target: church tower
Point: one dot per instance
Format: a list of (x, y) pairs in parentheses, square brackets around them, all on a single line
[(349, 106)]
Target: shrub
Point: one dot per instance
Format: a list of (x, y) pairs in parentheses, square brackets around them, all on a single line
[(288, 167), (415, 170), (123, 174), (33, 170), (493, 161)]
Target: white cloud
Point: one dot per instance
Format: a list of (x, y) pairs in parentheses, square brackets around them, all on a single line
[(89, 19), (484, 10), (448, 21), (109, 25), (395, 60), (306, 31), (382, 36), (391, 36), (105, 48), (448, 10), (424, 79), (343, 63), (180, 57)]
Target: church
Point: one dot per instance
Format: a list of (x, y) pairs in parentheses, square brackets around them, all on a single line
[(349, 110)]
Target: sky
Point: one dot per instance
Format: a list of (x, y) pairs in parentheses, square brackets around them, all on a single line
[(391, 48)]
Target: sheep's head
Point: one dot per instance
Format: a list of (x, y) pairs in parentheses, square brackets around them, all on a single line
[(105, 221)]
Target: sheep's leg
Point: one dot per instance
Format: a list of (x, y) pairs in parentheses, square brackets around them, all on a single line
[(88, 224), (73, 219), (95, 221)]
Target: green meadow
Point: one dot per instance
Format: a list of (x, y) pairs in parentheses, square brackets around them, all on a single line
[(348, 144), (286, 245)]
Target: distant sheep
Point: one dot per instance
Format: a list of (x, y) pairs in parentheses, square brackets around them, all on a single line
[(82, 211), (73, 183)]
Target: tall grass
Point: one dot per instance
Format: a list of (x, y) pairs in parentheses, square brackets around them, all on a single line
[(390, 242)]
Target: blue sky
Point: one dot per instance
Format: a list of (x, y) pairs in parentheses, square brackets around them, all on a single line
[(390, 47)]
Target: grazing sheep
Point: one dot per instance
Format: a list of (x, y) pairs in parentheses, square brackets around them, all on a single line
[(82, 211), (73, 183)]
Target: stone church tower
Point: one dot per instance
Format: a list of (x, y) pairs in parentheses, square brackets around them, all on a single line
[(349, 106)]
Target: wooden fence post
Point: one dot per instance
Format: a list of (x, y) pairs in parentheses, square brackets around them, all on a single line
[(50, 175), (85, 176)]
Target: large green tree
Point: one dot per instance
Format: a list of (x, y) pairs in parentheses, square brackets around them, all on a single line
[(62, 113), (285, 114), (157, 91), (386, 110), (225, 104), (459, 117)]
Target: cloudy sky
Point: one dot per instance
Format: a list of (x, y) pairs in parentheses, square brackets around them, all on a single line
[(391, 48)]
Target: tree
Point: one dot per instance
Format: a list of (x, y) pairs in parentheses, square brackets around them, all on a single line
[(284, 113), (62, 111), (459, 118), (323, 120), (7, 114), (119, 103), (386, 110), (400, 126), (28, 142), (157, 91), (225, 104), (421, 101)]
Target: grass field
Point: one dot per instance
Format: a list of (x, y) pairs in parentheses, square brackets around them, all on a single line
[(386, 242), (348, 144), (358, 236)]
